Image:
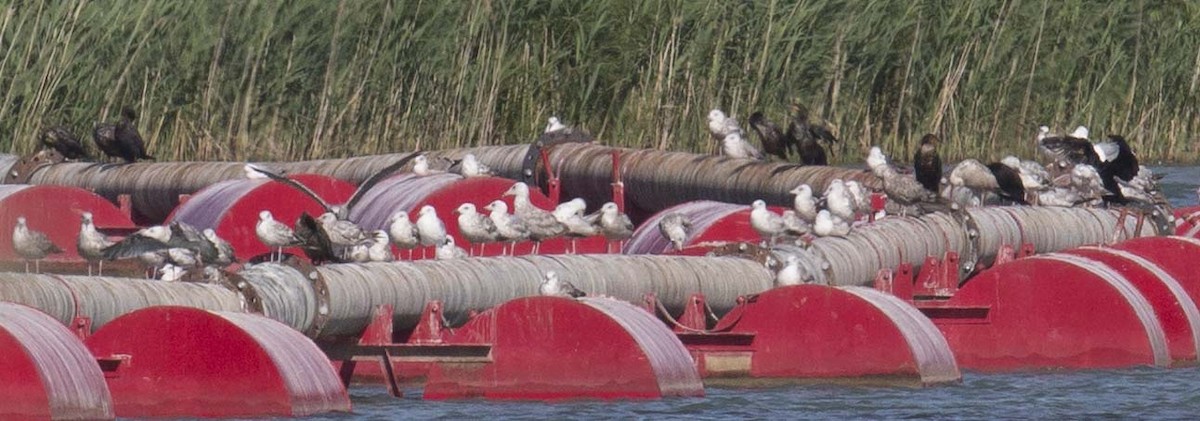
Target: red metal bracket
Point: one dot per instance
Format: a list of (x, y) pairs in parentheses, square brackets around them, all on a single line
[(1026, 250), (430, 326), (125, 204), (897, 282), (379, 331), (112, 365), (1004, 255), (82, 327), (694, 317), (938, 279), (552, 182), (618, 187)]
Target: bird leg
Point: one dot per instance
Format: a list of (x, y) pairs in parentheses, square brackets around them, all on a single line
[(26, 266), (101, 269)]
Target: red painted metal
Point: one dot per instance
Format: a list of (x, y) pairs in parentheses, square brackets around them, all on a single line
[(1187, 221), (618, 195), (1175, 309), (711, 222), (48, 373), (445, 192), (232, 207), (1049, 311), (814, 331), (938, 278), (186, 362), (547, 348), (1175, 255), (55, 210)]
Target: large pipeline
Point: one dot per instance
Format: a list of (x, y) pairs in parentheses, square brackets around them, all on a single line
[(654, 180), (977, 236)]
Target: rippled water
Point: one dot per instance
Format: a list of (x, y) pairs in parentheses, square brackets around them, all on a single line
[(1132, 393)]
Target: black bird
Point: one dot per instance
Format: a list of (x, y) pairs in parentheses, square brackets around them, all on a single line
[(772, 137), (342, 212), (129, 143), (1112, 158), (314, 241), (62, 140), (105, 137), (1009, 182), (803, 137), (928, 164)]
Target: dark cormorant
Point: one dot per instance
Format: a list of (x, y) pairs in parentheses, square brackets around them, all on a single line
[(1008, 181), (803, 137), (105, 137), (927, 164), (62, 140), (128, 141), (772, 137)]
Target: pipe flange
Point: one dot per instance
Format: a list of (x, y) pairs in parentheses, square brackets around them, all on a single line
[(251, 299), (320, 291), (532, 164), (968, 259), (23, 170)]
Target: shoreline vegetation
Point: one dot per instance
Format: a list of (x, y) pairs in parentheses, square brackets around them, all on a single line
[(289, 80)]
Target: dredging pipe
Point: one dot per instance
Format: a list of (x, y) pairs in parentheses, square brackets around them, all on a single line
[(653, 179)]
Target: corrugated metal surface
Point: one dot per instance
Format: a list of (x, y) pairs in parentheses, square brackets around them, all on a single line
[(10, 189), (287, 295), (701, 213), (310, 380), (399, 192), (43, 292), (7, 161), (72, 379), (205, 209), (929, 347), (1141, 307), (670, 360)]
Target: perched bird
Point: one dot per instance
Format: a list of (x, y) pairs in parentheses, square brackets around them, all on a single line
[(804, 203), (104, 135), (1086, 180), (340, 212), (674, 227), (375, 249), (804, 136), (927, 164), (790, 273), (402, 232), (471, 167), (541, 224), (32, 245), (447, 250), (554, 125), (430, 229), (274, 234), (862, 198), (1043, 132), (721, 126), (421, 166), (64, 142), (767, 224), (829, 225), (476, 228), (1034, 177), (771, 136), (614, 224), (90, 242), (225, 254), (570, 215), (154, 246), (342, 234), (171, 273), (838, 200), (1009, 183), (902, 189), (508, 227), (314, 241), (734, 146), (975, 176), (793, 225), (553, 287), (1113, 159), (128, 141)]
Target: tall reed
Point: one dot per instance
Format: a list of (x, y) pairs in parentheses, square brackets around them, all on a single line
[(267, 79)]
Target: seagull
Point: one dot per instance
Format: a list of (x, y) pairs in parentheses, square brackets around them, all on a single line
[(421, 167), (375, 249), (430, 229), (155, 246), (734, 146), (553, 287), (313, 240), (508, 227), (771, 136), (171, 273), (475, 227), (274, 234), (804, 136), (32, 245), (1086, 180), (793, 225), (64, 142), (90, 242), (674, 227), (838, 200), (614, 224), (790, 273), (804, 204), (128, 141), (975, 176), (542, 225), (862, 198), (471, 167), (570, 215), (342, 234), (829, 225), (402, 232), (447, 250), (721, 126), (767, 224), (341, 212), (225, 253), (903, 189), (553, 125), (1113, 158), (1034, 177), (927, 164), (1043, 132)]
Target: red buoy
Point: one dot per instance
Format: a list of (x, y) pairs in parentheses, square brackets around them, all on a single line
[(1175, 255), (48, 373), (1187, 221), (186, 362), (55, 211), (232, 207), (548, 348), (1051, 311), (816, 331)]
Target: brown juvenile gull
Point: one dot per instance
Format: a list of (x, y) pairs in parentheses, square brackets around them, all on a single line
[(475, 227), (342, 234), (225, 253), (542, 224), (903, 189), (32, 245), (553, 287), (674, 227), (615, 225)]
